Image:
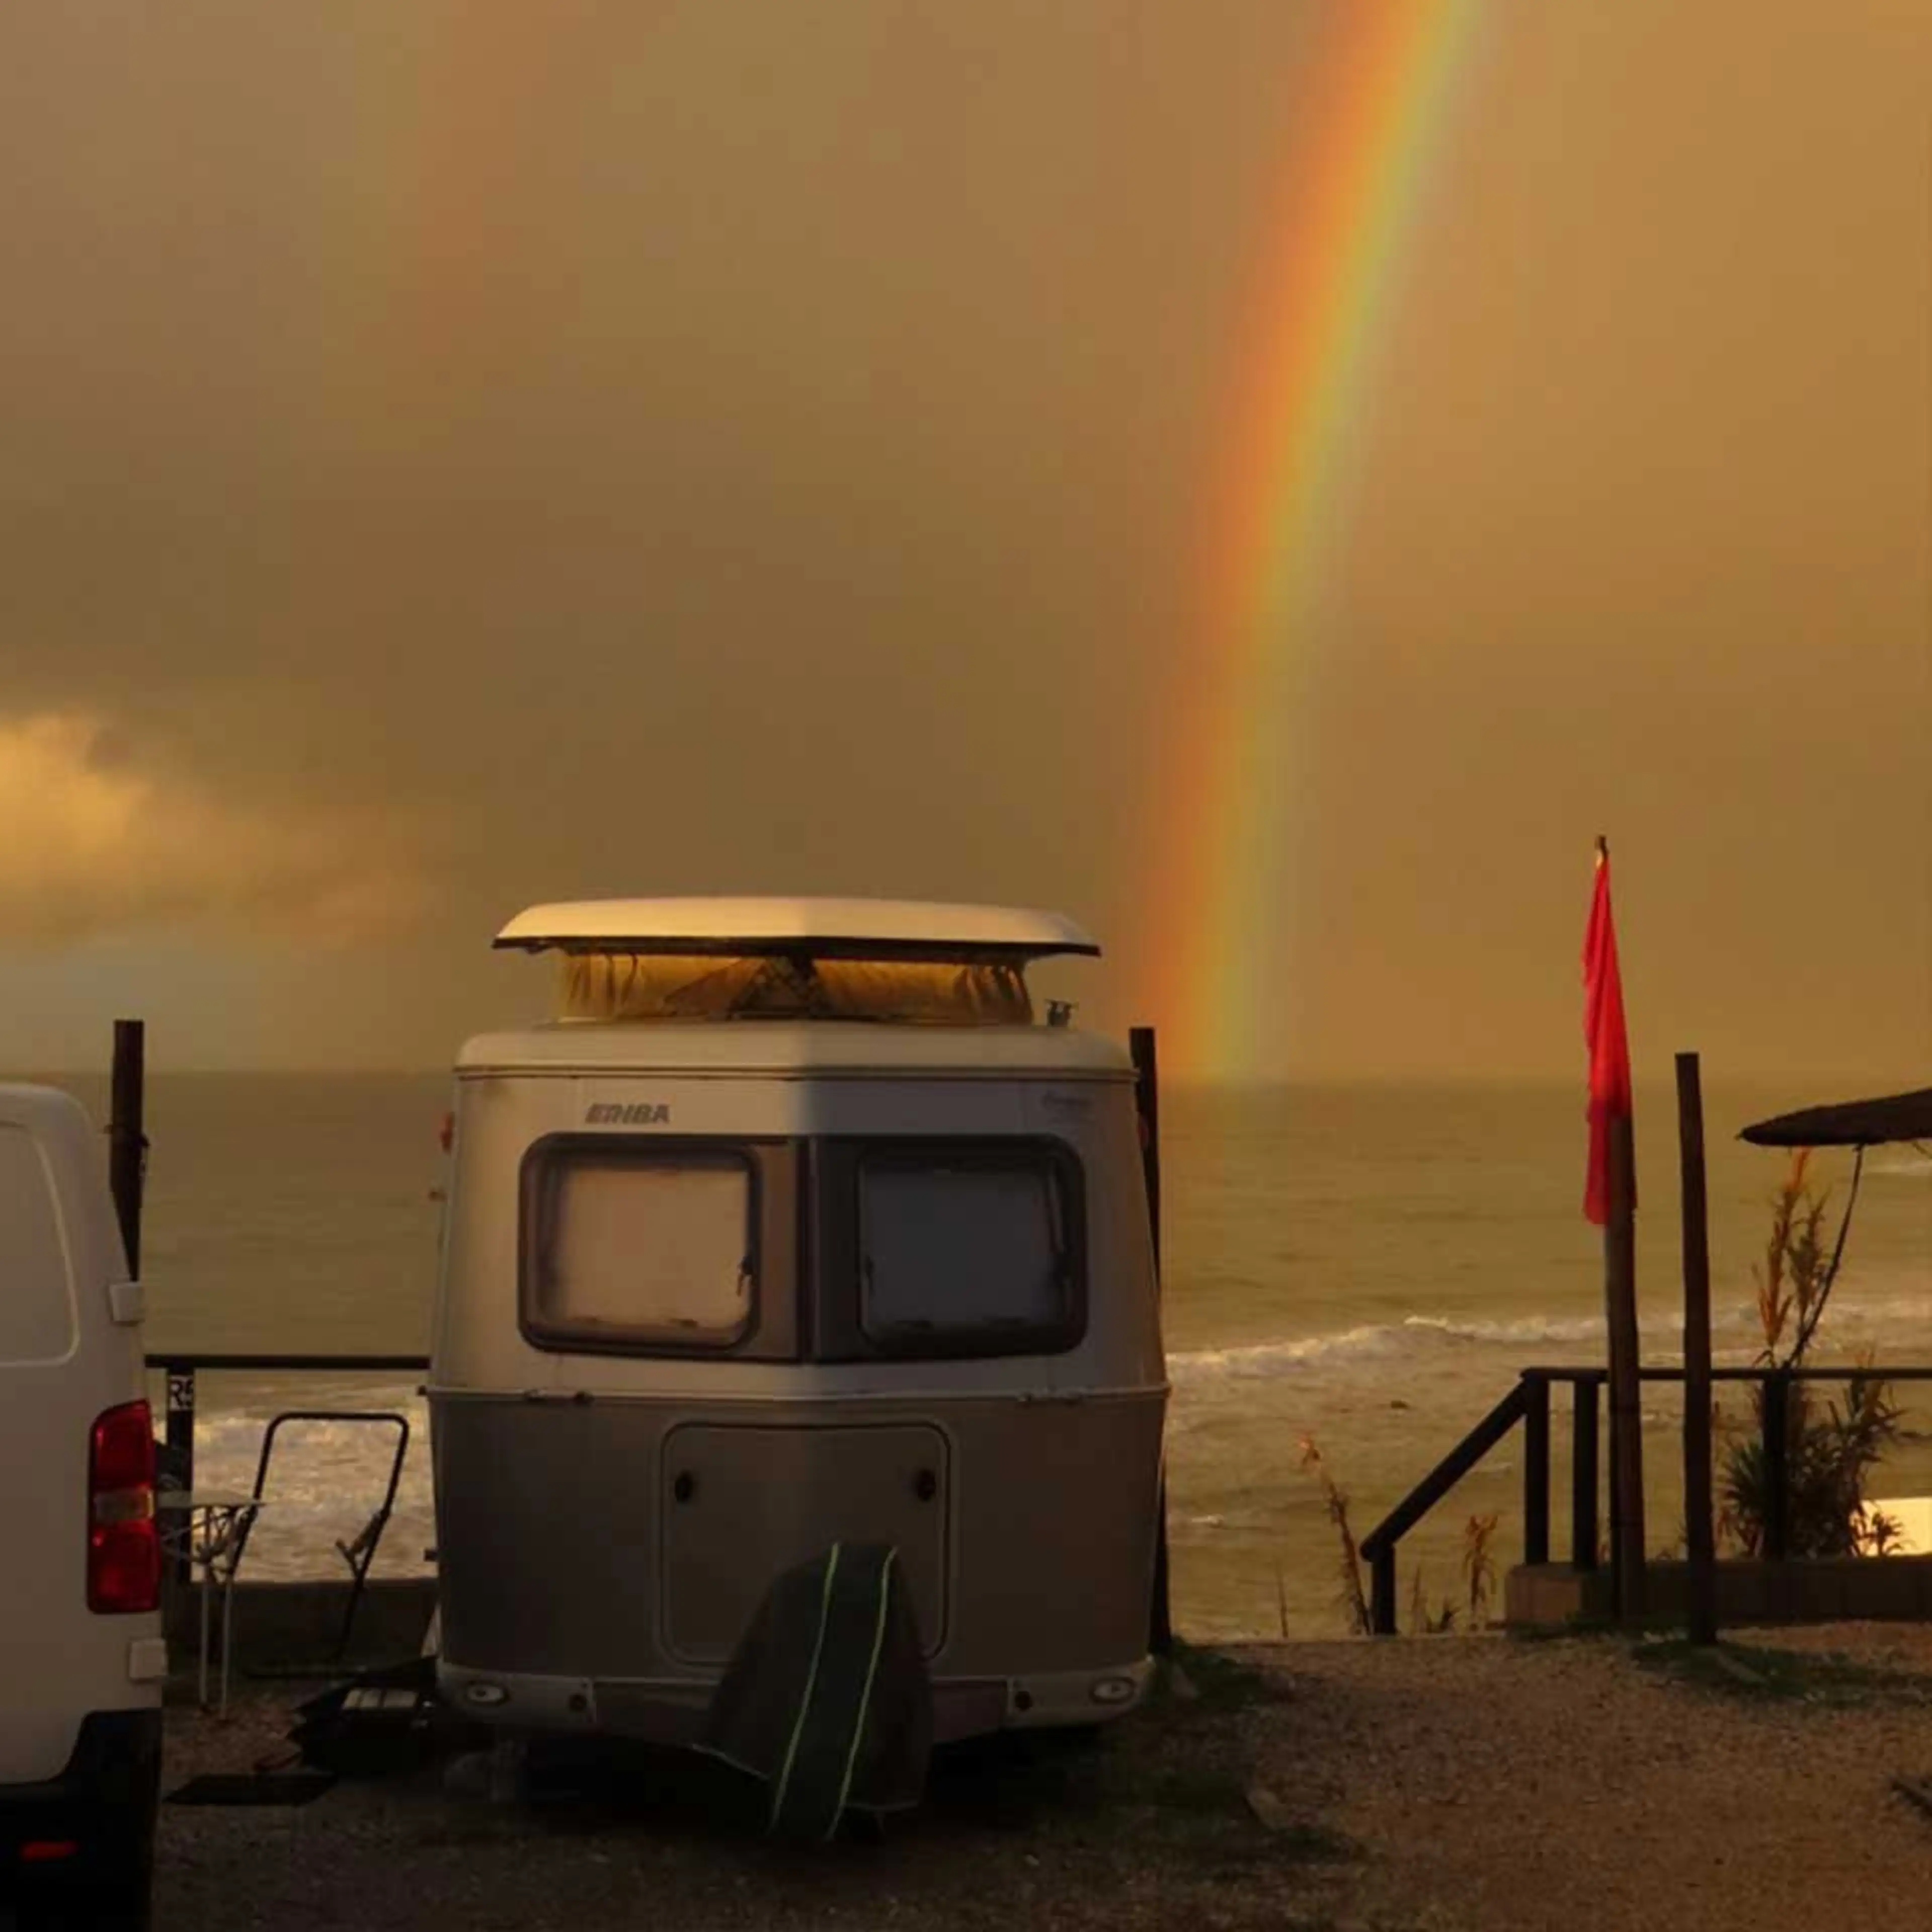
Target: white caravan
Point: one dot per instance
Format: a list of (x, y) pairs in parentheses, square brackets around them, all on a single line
[(795, 1227)]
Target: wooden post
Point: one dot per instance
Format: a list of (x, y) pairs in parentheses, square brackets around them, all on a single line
[(1147, 1079), (1700, 1552), (1626, 1409), (1141, 1044), (1381, 1592), (1583, 1479), (1777, 1465), (127, 1180), (127, 1143), (1536, 1472)]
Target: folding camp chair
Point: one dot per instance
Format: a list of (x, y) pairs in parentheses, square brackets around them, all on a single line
[(359, 1552)]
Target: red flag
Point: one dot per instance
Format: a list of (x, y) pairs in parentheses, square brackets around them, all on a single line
[(1608, 1043)]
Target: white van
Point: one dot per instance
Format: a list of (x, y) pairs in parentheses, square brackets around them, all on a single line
[(82, 1655)]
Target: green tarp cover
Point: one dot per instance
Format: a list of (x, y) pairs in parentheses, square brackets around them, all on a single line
[(827, 1699)]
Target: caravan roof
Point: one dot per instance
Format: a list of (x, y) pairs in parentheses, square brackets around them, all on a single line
[(799, 1049), (826, 928)]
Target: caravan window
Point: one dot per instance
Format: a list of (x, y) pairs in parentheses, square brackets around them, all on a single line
[(631, 1245), (969, 1248)]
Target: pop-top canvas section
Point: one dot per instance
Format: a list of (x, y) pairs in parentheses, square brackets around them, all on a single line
[(907, 962)]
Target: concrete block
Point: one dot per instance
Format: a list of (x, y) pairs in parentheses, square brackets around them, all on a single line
[(1893, 1589), (1546, 1596)]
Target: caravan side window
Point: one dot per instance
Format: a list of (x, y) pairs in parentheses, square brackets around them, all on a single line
[(640, 1244), (968, 1248)]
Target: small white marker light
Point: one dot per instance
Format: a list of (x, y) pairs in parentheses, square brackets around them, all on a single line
[(485, 1693), (1112, 1689)]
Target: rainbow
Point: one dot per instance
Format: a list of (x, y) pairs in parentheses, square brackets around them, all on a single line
[(1386, 76)]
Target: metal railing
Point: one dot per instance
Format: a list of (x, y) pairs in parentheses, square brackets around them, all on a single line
[(1528, 1403), (180, 1367)]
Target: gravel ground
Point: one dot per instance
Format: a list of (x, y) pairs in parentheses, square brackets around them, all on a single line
[(1449, 1782), (1498, 1782)]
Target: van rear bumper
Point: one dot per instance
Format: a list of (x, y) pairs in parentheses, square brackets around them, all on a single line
[(102, 1802)]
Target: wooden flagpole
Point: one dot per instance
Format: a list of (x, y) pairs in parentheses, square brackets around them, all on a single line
[(1626, 1405), (1626, 1521)]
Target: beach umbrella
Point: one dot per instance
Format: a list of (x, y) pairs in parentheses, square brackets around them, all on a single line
[(1891, 1116)]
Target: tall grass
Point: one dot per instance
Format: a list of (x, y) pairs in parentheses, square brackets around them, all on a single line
[(1829, 1452), (1354, 1601), (1422, 1621), (1479, 1570)]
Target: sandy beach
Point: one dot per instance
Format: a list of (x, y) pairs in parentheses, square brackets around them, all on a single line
[(1442, 1783)]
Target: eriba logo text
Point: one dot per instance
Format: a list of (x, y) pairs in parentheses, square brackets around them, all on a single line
[(615, 1114)]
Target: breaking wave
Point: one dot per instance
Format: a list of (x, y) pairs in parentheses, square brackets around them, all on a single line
[(1905, 1166), (1418, 1339), (1374, 1341)]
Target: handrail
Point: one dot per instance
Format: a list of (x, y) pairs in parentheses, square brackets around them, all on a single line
[(1447, 1473), (191, 1359), (1378, 1545), (1762, 1372), (1529, 1402)]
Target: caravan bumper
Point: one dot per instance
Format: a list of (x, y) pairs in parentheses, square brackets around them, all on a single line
[(672, 1711)]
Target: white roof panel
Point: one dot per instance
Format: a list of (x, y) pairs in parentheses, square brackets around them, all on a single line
[(853, 929)]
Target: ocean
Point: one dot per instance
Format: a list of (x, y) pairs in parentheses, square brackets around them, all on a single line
[(1366, 1266)]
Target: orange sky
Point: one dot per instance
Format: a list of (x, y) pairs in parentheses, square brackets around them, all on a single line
[(454, 461)]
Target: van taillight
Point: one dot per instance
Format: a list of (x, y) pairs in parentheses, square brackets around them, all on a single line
[(124, 1547)]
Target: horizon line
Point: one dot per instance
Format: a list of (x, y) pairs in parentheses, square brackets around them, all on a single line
[(1323, 1077)]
